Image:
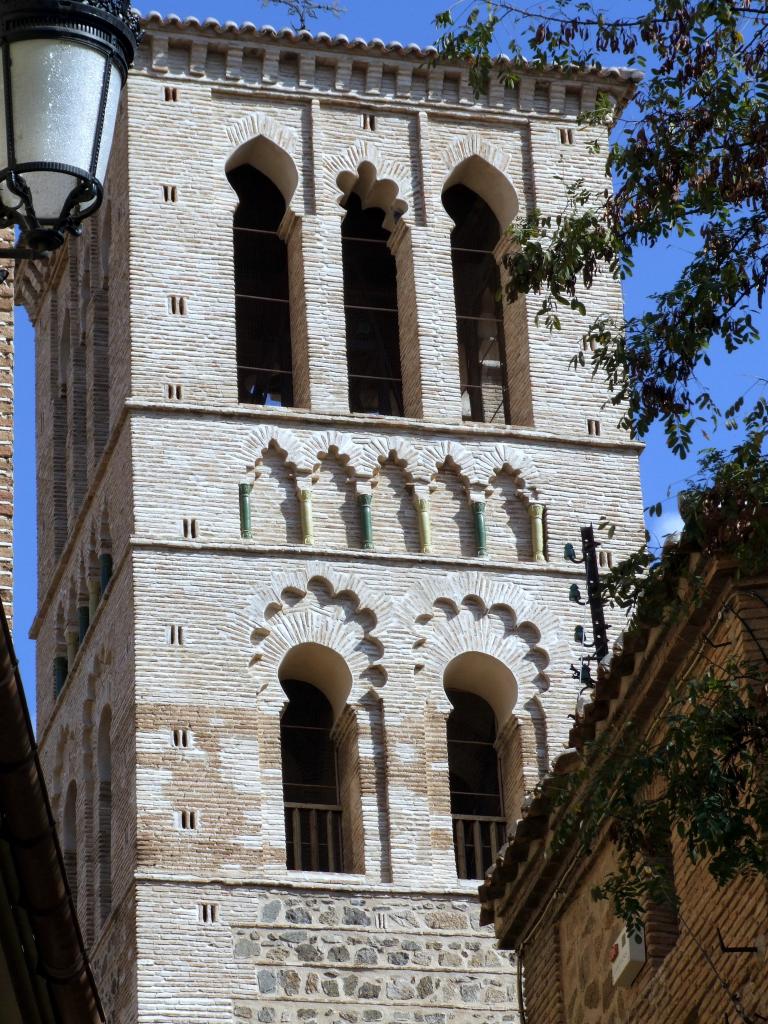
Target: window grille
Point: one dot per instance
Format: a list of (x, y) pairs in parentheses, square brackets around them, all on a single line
[(479, 827), (313, 813), (370, 306), (480, 324), (262, 309)]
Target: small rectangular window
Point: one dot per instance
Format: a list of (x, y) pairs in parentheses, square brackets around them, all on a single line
[(188, 820), (605, 559), (176, 636), (189, 529), (368, 122), (173, 392), (182, 738), (171, 94), (177, 305), (589, 344), (209, 913), (566, 136), (593, 428), (170, 194)]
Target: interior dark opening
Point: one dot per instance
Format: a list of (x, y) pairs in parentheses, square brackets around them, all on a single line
[(370, 306), (310, 781), (477, 287), (262, 308), (475, 784)]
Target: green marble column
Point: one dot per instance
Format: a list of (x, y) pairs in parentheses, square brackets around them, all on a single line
[(364, 503), (536, 512), (481, 534), (245, 511), (307, 526)]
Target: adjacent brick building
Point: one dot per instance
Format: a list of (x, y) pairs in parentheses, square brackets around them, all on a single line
[(704, 961), (286, 452)]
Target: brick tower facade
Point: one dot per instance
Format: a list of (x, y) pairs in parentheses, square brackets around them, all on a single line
[(303, 632)]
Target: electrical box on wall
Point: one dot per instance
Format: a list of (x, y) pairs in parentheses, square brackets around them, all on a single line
[(627, 957)]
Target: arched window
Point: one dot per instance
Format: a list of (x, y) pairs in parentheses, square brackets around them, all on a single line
[(370, 305), (476, 800), (104, 815), (69, 839), (262, 310), (477, 286), (313, 826)]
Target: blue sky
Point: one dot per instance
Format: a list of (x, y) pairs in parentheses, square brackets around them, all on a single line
[(406, 21)]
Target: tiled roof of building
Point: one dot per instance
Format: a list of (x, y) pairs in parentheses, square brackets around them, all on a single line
[(615, 678), (371, 46)]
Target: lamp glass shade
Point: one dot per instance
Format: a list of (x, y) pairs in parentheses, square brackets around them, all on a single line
[(56, 87)]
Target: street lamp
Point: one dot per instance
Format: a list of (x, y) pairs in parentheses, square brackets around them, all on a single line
[(64, 63)]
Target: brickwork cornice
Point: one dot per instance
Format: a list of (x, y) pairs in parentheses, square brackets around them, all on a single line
[(443, 82), (392, 424)]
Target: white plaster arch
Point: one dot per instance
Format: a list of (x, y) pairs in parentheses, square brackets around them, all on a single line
[(282, 440), (483, 167), (336, 443), (378, 181), (314, 627), (485, 676), (286, 613), (378, 450), (321, 666), (437, 455), (474, 611), (492, 461), (270, 147)]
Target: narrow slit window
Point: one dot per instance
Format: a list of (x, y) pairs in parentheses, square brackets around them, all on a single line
[(313, 814), (189, 529), (370, 307), (182, 739), (593, 428), (177, 305), (188, 820), (368, 122), (566, 136), (477, 289), (605, 559), (209, 913), (170, 194), (479, 826), (262, 308), (176, 636), (171, 94)]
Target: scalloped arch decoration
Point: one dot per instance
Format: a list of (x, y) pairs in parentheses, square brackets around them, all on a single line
[(492, 461), (316, 604), (477, 612), (284, 441), (377, 179)]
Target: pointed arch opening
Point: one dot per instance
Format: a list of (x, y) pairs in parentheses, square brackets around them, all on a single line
[(479, 313), (104, 814), (69, 839), (262, 301), (371, 311)]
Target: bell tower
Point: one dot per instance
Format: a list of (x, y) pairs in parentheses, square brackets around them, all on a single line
[(303, 636)]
